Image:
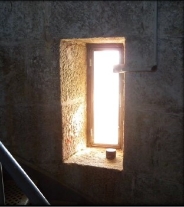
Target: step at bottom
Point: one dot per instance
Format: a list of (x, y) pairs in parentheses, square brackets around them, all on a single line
[(14, 195)]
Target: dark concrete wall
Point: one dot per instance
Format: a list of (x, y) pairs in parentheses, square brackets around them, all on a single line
[(30, 88)]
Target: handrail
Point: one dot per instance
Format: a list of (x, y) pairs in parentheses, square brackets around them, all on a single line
[(21, 178)]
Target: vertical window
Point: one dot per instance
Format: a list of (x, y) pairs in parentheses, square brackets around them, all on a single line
[(104, 95)]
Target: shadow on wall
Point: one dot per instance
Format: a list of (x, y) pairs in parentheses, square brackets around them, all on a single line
[(12, 79), (28, 115)]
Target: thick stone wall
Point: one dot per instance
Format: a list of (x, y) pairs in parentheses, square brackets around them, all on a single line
[(31, 94), (73, 98)]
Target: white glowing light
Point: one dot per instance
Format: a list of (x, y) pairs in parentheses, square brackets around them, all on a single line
[(106, 97)]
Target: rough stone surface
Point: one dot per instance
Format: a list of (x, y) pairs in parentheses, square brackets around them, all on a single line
[(96, 157), (33, 107), (74, 90), (73, 99)]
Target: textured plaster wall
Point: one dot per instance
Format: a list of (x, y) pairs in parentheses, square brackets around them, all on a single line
[(29, 84), (154, 116), (31, 101), (73, 99)]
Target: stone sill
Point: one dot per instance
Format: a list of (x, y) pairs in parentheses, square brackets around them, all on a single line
[(96, 157)]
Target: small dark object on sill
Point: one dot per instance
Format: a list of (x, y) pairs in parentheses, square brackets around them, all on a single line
[(110, 153)]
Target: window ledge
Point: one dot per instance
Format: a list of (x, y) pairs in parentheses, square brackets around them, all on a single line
[(96, 157)]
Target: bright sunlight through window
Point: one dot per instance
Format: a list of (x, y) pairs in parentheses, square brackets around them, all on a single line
[(106, 97)]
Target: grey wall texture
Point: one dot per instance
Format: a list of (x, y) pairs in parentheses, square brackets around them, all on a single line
[(30, 88)]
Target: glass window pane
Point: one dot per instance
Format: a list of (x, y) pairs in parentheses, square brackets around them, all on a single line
[(106, 97)]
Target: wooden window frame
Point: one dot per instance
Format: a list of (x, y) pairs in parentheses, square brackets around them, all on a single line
[(91, 47)]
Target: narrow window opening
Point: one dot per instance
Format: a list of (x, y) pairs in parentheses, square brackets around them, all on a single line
[(104, 95), (77, 61)]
